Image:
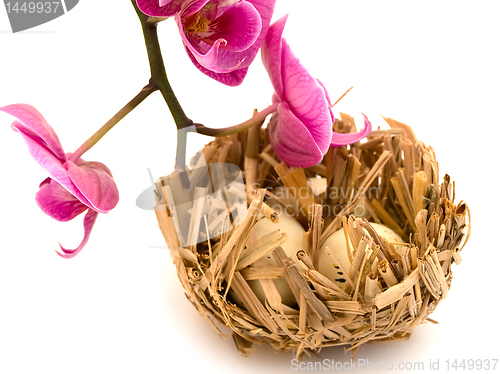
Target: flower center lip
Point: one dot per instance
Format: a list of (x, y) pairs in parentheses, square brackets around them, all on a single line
[(195, 24)]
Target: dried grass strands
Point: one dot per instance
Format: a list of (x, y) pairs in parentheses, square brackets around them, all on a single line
[(168, 230), (370, 177), (335, 179), (318, 278), (385, 269), (305, 259), (357, 264), (261, 248), (253, 305), (241, 230), (294, 277), (462, 207), (243, 345), (295, 180), (396, 292), (397, 313), (262, 272), (318, 169), (176, 214), (349, 307), (200, 194), (312, 237), (272, 295), (296, 340), (423, 313), (439, 272), (265, 167), (409, 162), (366, 251), (354, 170), (251, 160), (386, 217), (265, 209), (433, 228), (269, 159), (433, 277), (419, 191), (372, 215), (421, 239), (410, 134), (402, 193), (387, 250), (371, 287), (407, 268), (376, 308)]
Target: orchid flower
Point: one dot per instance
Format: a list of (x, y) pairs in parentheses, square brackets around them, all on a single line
[(301, 129), (73, 186), (221, 37)]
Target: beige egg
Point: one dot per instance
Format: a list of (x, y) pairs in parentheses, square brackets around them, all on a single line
[(293, 243), (336, 244)]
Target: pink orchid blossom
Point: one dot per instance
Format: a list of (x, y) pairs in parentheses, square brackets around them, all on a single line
[(73, 186), (301, 129), (221, 37)]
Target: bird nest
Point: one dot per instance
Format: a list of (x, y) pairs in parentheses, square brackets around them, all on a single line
[(236, 278)]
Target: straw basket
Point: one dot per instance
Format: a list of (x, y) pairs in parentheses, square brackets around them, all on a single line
[(391, 178)]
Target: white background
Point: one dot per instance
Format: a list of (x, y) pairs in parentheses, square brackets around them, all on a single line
[(118, 306)]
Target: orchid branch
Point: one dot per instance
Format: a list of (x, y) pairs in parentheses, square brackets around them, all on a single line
[(158, 74), (257, 118), (160, 81), (89, 143)]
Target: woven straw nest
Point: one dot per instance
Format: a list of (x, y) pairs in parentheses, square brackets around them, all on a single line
[(386, 290)]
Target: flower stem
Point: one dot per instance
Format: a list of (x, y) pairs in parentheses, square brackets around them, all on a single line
[(89, 143), (160, 81), (257, 118), (158, 74)]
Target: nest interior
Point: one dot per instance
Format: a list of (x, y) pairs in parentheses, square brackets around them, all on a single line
[(392, 176)]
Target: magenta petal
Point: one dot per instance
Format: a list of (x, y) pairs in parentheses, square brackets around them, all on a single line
[(265, 9), (230, 66), (231, 79), (239, 26), (345, 139), (44, 156), (206, 55), (228, 59), (55, 201), (88, 224), (154, 9), (271, 54), (328, 100), (30, 122), (291, 140), (94, 181), (190, 7), (306, 97)]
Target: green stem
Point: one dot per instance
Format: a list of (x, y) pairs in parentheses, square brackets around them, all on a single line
[(158, 75), (257, 118), (89, 143), (159, 79)]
